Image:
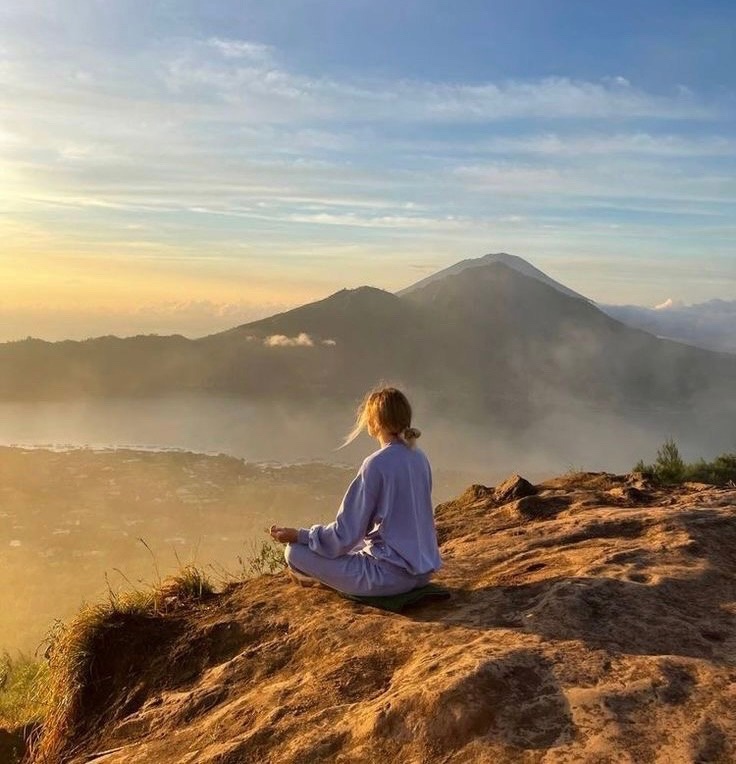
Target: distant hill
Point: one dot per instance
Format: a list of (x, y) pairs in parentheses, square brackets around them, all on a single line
[(484, 342), (710, 324)]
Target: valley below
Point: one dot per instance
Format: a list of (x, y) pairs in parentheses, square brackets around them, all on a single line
[(73, 522)]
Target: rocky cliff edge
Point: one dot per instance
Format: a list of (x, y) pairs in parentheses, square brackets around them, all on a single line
[(592, 618)]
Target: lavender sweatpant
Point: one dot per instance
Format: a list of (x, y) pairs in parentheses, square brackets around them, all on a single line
[(353, 573)]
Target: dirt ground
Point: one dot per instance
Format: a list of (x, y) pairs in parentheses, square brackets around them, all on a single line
[(593, 620)]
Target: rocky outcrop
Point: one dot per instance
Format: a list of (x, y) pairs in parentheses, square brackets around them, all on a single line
[(586, 624), (514, 487)]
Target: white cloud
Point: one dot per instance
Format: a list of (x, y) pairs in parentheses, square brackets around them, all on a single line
[(669, 303), (301, 340), (199, 150), (611, 178), (620, 81), (578, 144), (248, 77), (242, 49), (282, 341), (378, 221)]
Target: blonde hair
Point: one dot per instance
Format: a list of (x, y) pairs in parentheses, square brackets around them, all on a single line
[(387, 409)]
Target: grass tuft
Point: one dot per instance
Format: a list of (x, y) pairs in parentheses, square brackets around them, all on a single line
[(264, 558), (22, 680), (59, 684), (71, 652)]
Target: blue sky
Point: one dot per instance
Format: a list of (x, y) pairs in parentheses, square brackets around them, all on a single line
[(188, 165)]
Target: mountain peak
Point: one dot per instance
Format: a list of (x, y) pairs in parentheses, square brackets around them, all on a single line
[(362, 293), (512, 261), (320, 316)]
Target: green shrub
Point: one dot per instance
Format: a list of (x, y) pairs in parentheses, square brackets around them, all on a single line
[(669, 468), (264, 557)]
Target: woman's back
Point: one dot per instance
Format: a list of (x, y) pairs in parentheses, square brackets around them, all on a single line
[(402, 528)]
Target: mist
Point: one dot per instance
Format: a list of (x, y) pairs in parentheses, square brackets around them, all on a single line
[(200, 478), (563, 433)]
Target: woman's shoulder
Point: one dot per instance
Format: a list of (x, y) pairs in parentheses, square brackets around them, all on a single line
[(394, 454)]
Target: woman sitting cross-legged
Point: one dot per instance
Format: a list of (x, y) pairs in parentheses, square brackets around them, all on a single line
[(383, 540)]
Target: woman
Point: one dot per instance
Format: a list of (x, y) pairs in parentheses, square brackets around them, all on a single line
[(383, 540)]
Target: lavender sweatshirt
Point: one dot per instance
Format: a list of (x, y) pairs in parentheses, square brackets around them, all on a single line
[(388, 506)]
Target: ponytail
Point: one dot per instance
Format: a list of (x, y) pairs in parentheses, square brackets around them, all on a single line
[(409, 436)]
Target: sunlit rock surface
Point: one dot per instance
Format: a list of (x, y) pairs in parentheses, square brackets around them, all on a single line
[(592, 620)]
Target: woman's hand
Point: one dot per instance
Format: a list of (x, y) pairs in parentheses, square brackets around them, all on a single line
[(284, 535)]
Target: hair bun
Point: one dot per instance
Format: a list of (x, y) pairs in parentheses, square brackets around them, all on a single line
[(411, 433)]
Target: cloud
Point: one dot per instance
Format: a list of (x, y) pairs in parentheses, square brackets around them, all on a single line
[(282, 341), (243, 49), (302, 340), (668, 304), (216, 148), (249, 77), (606, 178), (197, 309), (192, 318), (584, 143), (378, 221)]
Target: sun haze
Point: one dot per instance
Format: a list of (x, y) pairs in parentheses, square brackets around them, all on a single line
[(180, 168)]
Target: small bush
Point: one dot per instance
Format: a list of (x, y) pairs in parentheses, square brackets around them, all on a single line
[(669, 468), (265, 557)]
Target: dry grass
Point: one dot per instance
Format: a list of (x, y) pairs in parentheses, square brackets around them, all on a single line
[(21, 691), (71, 647), (71, 654), (261, 558)]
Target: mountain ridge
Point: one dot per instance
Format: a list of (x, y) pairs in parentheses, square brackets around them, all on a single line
[(485, 344), (710, 325)]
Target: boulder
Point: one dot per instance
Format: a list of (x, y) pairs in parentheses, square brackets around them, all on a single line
[(514, 487)]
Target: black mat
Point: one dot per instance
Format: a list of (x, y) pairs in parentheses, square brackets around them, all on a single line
[(398, 602)]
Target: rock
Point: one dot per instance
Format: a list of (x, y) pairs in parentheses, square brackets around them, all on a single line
[(638, 480), (539, 507), (476, 492), (579, 629), (514, 487), (630, 494)]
